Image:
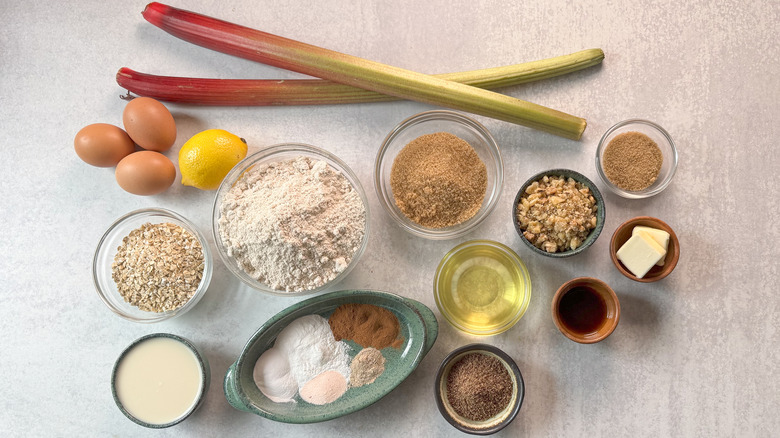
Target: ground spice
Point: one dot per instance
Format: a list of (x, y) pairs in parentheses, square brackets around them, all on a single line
[(366, 324), (632, 161), (479, 387), (365, 367), (438, 180), (158, 267)]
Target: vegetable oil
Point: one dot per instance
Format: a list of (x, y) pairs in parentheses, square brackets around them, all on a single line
[(482, 287)]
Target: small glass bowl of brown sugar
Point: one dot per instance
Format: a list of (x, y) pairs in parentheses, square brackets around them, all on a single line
[(152, 265), (438, 174), (636, 159)]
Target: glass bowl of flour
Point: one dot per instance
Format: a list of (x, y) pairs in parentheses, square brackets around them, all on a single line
[(291, 219)]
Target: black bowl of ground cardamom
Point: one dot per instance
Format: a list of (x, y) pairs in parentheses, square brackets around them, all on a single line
[(636, 159), (479, 389)]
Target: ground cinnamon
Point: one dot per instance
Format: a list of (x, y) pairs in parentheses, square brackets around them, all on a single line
[(438, 180), (366, 324)]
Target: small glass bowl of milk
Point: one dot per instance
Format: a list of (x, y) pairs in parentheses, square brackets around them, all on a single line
[(160, 380)]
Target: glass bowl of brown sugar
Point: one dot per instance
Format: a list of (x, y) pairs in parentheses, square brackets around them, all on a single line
[(438, 174), (636, 159)]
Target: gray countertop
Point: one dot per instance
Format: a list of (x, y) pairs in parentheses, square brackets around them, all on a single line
[(694, 355)]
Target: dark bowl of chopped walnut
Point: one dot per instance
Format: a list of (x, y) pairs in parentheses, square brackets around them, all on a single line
[(558, 213), (151, 265)]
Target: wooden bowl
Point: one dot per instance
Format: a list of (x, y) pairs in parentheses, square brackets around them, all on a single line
[(608, 322), (623, 233)]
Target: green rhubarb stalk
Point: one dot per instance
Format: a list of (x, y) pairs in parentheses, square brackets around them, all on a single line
[(263, 92), (304, 58)]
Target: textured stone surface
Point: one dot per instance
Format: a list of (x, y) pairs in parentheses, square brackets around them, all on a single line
[(694, 355)]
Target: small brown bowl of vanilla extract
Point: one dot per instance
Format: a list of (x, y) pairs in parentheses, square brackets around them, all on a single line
[(585, 310)]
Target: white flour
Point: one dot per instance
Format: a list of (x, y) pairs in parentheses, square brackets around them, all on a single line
[(293, 225)]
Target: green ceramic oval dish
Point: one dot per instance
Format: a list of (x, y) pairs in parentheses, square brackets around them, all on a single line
[(419, 330)]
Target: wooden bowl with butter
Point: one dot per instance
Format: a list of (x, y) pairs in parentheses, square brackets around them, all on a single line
[(636, 252)]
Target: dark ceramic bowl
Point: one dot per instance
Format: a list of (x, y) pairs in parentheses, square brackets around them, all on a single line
[(205, 380), (495, 423), (623, 233), (600, 213)]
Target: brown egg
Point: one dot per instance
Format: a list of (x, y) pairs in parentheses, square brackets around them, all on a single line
[(149, 124), (145, 173), (103, 145)]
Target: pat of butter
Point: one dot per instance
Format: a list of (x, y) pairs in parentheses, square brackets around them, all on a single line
[(640, 253), (660, 236)]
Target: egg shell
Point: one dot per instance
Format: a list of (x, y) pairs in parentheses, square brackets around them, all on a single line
[(149, 124), (102, 144), (145, 173)]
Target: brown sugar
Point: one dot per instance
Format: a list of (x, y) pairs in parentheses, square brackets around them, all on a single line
[(632, 161), (438, 180)]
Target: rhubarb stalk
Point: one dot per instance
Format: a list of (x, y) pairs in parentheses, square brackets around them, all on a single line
[(263, 92), (293, 55)]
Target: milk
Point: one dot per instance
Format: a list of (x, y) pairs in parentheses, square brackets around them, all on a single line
[(158, 381)]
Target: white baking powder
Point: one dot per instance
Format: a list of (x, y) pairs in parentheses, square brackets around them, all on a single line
[(293, 225), (304, 350)]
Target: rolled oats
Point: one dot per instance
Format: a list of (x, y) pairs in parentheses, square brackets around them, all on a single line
[(158, 267)]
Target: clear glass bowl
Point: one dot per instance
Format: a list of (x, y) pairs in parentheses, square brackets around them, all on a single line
[(107, 249), (428, 123), (478, 309), (665, 144), (274, 154)]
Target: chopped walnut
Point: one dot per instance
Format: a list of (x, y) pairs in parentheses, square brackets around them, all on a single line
[(556, 214)]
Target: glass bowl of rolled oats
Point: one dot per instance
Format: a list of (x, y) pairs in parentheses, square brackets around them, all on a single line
[(151, 265), (558, 213)]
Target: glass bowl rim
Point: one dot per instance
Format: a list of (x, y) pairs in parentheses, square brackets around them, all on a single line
[(457, 230), (522, 270), (251, 160), (641, 194), (208, 264)]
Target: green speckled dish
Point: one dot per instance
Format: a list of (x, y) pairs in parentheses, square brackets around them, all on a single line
[(419, 330)]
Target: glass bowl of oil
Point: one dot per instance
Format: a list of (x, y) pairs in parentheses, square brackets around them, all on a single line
[(482, 287)]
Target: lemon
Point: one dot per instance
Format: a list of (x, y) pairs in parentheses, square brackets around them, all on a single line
[(207, 157)]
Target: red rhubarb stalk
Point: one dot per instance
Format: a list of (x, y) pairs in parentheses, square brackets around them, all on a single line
[(263, 92), (293, 55)]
